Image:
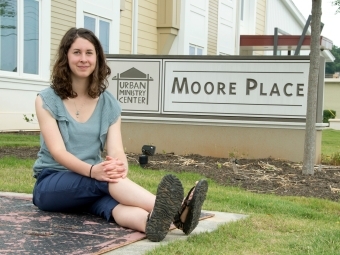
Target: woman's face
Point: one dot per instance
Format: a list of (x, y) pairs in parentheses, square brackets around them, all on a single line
[(82, 58)]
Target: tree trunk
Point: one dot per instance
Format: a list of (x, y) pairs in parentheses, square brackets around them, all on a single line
[(310, 135)]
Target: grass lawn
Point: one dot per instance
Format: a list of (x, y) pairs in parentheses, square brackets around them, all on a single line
[(18, 140), (276, 225), (330, 141), (330, 147)]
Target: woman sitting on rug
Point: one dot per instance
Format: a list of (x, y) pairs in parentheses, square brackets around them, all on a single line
[(78, 117)]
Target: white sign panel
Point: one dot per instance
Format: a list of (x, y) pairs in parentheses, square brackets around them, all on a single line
[(259, 88), (136, 84)]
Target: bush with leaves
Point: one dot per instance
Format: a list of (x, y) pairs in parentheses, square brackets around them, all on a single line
[(328, 114)]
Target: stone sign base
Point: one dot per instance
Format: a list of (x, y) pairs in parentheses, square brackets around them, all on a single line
[(218, 141)]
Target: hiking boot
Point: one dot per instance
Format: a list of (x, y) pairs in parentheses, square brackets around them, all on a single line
[(191, 206), (168, 201)]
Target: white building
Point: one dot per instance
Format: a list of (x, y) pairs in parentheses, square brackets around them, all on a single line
[(32, 29)]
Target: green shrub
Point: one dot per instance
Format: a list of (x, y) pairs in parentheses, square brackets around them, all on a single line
[(328, 114)]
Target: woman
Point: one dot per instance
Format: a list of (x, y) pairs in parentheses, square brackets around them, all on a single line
[(77, 119)]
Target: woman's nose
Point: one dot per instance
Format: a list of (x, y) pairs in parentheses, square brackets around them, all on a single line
[(83, 58)]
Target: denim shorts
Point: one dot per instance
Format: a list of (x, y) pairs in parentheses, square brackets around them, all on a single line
[(66, 191)]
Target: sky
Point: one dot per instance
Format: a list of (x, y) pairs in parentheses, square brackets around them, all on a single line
[(331, 21)]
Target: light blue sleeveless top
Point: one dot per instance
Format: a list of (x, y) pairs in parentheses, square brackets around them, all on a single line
[(85, 140)]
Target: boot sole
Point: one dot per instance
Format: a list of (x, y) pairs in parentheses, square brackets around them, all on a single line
[(168, 201)]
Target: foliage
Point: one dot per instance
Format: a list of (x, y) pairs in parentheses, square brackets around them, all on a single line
[(29, 119), (7, 9), (333, 67), (336, 3), (328, 114)]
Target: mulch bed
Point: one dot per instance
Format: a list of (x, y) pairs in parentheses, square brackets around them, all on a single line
[(267, 175)]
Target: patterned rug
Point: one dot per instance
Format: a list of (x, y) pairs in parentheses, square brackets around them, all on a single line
[(24, 229)]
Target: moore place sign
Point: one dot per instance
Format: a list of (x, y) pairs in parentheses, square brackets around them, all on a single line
[(270, 87)]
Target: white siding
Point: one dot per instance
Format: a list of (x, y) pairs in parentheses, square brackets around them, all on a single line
[(226, 27), (193, 27), (198, 23), (18, 99), (279, 16), (248, 17)]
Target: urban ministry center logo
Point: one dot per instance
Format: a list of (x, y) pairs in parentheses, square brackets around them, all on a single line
[(133, 87)]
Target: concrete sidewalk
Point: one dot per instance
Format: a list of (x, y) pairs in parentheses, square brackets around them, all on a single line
[(140, 247), (207, 225)]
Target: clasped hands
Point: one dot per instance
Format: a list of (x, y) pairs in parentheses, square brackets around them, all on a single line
[(111, 170)]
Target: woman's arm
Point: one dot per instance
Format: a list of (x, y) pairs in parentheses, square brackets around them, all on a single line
[(116, 161), (55, 144)]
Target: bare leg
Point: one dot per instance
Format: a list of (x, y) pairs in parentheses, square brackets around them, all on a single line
[(129, 193), (130, 217), (136, 203)]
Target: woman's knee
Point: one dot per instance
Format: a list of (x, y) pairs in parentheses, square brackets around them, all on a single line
[(130, 217)]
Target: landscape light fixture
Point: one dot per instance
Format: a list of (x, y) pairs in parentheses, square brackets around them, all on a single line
[(147, 150)]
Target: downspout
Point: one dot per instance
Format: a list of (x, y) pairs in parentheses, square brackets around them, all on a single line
[(134, 36)]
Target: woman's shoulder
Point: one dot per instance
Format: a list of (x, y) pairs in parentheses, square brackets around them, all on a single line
[(49, 95), (47, 92), (108, 94), (109, 98), (111, 106), (53, 103)]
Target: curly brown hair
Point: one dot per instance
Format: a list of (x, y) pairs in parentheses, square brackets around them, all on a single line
[(61, 74)]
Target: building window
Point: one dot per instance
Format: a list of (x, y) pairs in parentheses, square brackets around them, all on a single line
[(19, 36), (195, 50), (101, 28)]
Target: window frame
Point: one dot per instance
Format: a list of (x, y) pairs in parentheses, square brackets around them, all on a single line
[(110, 12), (196, 47), (97, 26), (44, 43)]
